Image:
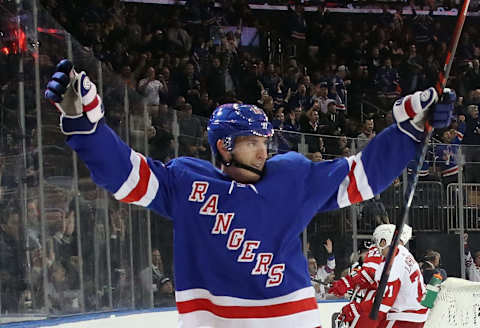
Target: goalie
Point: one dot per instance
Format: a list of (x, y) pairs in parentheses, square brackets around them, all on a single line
[(401, 306)]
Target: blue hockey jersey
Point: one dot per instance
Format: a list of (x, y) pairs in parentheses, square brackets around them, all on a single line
[(238, 255)]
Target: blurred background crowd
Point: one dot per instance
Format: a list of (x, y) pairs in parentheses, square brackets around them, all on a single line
[(326, 78)]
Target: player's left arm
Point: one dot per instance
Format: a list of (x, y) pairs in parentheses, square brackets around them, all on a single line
[(362, 176)]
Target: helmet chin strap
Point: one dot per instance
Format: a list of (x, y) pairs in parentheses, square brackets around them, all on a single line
[(236, 163)]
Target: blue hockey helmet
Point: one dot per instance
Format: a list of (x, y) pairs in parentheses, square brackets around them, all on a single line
[(232, 120)]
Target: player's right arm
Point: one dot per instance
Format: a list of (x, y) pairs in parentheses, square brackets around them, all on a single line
[(113, 165)]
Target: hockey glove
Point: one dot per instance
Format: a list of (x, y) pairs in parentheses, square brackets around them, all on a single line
[(359, 279), (357, 315), (412, 111), (75, 96)]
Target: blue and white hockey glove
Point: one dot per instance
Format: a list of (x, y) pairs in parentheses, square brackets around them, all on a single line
[(412, 111), (75, 96)]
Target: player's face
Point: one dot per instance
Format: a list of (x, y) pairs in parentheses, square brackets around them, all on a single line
[(251, 151)]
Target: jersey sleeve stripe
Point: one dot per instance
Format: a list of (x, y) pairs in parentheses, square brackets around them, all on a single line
[(354, 195), (141, 188), (362, 179), (355, 187), (342, 196), (372, 265), (151, 191), (141, 185), (132, 179), (384, 308), (409, 108)]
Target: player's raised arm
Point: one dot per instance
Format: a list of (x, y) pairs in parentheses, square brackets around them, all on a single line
[(130, 176), (369, 172)]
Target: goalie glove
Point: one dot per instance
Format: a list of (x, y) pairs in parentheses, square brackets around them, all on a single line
[(75, 96), (411, 112)]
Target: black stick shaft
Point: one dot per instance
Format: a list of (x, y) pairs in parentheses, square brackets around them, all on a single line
[(441, 83)]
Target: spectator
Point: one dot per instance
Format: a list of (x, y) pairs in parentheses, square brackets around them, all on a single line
[(11, 266), (162, 285), (316, 157), (472, 75), (150, 87), (280, 140), (216, 80), (387, 80), (321, 96), (323, 275), (309, 123), (300, 98), (412, 71), (339, 88), (472, 263), (292, 119), (62, 298), (332, 122), (472, 137), (447, 153), (297, 30), (366, 135), (430, 265), (190, 130), (188, 79), (179, 41), (270, 79)]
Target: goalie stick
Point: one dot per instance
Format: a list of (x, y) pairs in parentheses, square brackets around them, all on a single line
[(441, 83)]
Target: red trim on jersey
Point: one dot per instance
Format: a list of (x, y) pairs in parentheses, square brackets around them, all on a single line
[(141, 188), (421, 311), (246, 312), (450, 171), (354, 195), (92, 105), (409, 108)]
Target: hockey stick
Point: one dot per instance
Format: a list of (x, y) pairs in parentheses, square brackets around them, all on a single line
[(441, 83)]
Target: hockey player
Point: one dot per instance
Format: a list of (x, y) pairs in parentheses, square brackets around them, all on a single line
[(400, 307), (364, 277), (238, 255)]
